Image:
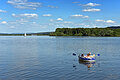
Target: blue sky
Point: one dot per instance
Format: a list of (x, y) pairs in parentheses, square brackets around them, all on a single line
[(21, 16)]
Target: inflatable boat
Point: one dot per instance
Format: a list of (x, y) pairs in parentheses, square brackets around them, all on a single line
[(92, 59)]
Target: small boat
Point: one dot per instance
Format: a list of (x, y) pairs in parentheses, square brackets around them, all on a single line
[(91, 59), (25, 35)]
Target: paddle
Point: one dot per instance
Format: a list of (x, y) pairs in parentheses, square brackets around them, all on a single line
[(74, 54), (98, 54)]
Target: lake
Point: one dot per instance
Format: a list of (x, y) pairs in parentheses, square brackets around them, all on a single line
[(50, 58)]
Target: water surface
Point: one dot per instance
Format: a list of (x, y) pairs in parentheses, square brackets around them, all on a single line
[(50, 58)]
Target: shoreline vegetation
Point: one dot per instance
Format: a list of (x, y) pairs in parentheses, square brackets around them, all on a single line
[(93, 32)]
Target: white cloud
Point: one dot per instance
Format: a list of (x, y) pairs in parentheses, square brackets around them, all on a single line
[(24, 4), (34, 22), (51, 20), (106, 21), (98, 20), (50, 6), (13, 14), (91, 10), (46, 15), (18, 22), (79, 16), (59, 19), (3, 22), (2, 11), (92, 4), (110, 21), (68, 22), (22, 21), (26, 15), (29, 15)]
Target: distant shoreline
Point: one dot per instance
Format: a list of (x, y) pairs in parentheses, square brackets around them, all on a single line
[(92, 32), (21, 35), (25, 34), (83, 32)]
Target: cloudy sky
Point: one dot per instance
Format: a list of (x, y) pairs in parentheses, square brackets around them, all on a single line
[(20, 16)]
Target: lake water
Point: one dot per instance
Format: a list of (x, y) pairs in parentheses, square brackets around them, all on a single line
[(50, 58)]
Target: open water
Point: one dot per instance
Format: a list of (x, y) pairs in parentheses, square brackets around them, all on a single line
[(50, 58)]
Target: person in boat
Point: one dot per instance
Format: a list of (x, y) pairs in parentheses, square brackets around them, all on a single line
[(82, 55), (89, 55)]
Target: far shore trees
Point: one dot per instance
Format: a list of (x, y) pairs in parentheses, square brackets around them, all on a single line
[(100, 32)]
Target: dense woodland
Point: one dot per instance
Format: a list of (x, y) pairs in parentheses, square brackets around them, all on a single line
[(86, 32)]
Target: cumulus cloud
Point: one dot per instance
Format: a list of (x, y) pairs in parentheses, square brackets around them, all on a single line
[(24, 4), (3, 22), (105, 21), (110, 21), (92, 4), (91, 10), (2, 11), (79, 16), (46, 15), (59, 19), (26, 15)]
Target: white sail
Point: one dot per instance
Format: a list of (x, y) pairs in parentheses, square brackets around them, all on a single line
[(25, 34)]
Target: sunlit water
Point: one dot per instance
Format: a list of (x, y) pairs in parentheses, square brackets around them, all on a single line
[(50, 58)]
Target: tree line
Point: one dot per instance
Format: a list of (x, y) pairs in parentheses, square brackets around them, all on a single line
[(86, 32)]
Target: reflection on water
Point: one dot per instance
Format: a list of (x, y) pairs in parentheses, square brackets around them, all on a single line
[(88, 64)]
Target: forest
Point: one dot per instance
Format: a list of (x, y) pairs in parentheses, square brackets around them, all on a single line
[(100, 32)]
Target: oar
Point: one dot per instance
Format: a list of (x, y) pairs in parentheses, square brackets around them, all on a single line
[(74, 54)]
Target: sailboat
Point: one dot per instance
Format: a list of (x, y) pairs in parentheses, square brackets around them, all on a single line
[(25, 34)]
